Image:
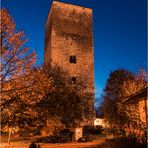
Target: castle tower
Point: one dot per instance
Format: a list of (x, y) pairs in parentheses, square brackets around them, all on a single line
[(69, 44)]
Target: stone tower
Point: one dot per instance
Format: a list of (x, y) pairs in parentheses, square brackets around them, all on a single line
[(69, 44)]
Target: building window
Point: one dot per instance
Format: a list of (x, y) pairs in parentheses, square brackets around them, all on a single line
[(73, 80), (72, 59)]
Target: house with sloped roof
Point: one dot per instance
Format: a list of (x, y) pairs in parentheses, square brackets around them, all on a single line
[(140, 101)]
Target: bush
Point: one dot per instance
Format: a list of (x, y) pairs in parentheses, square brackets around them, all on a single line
[(62, 137), (81, 140), (88, 138), (92, 130), (85, 139), (53, 127), (66, 135), (48, 139), (34, 145)]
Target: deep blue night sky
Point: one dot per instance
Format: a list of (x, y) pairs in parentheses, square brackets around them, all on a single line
[(120, 32)]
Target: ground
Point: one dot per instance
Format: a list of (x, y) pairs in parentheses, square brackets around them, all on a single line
[(59, 145)]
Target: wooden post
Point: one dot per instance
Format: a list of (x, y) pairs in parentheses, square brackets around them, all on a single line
[(78, 133), (9, 136)]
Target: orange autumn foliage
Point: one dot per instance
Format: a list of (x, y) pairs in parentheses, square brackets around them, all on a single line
[(21, 83)]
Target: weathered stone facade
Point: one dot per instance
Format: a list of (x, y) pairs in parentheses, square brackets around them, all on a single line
[(69, 44), (138, 100)]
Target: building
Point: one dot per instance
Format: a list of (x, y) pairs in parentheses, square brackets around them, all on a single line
[(101, 122), (69, 44), (139, 100)]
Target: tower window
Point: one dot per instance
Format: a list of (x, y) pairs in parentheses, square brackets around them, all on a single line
[(72, 59), (73, 80)]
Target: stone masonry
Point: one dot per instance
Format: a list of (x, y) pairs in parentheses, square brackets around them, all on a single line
[(69, 44)]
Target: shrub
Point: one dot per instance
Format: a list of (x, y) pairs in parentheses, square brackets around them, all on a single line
[(81, 139), (92, 130), (61, 137), (66, 135), (85, 139), (34, 145)]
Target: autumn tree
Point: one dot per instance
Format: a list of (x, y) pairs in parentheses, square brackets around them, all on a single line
[(22, 85), (64, 101), (113, 94), (30, 96), (130, 87), (16, 60), (121, 83), (139, 82)]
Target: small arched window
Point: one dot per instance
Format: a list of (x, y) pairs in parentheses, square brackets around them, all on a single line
[(73, 80), (72, 59)]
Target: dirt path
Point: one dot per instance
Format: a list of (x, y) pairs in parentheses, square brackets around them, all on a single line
[(58, 145)]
